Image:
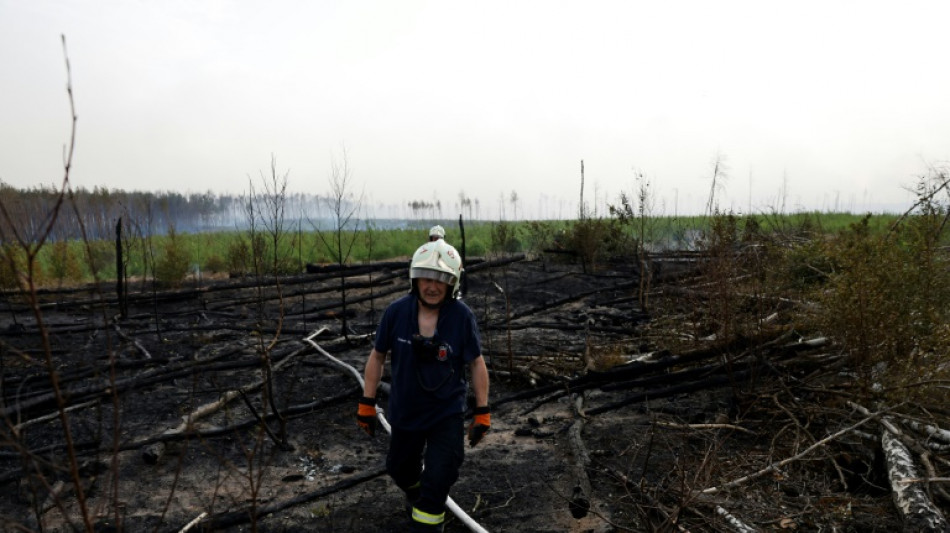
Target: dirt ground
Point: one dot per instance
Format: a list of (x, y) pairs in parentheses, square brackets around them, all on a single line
[(545, 323)]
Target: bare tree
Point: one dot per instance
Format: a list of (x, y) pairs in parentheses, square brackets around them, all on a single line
[(251, 206), (344, 209), (719, 176), (272, 218), (645, 206), (640, 217), (465, 203)]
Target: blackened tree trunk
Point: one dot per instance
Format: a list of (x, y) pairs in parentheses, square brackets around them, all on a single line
[(120, 272)]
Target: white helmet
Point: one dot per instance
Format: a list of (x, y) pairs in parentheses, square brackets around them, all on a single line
[(437, 231), (437, 260)]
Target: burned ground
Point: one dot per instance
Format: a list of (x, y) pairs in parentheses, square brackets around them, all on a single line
[(649, 415)]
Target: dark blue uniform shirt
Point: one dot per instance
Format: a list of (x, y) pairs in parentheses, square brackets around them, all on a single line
[(427, 387)]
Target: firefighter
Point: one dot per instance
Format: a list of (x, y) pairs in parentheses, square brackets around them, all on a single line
[(436, 232), (432, 337)]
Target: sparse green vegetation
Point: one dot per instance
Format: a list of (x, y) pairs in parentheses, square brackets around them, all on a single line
[(504, 237), (173, 263), (885, 299), (594, 239), (64, 264)]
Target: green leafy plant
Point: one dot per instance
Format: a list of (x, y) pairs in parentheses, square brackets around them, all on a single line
[(100, 258), (588, 238), (64, 264), (504, 237), (238, 257), (539, 235), (215, 264), (173, 264)]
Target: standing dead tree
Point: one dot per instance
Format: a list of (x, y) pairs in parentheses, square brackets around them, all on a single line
[(641, 218), (717, 182), (271, 212), (344, 208)]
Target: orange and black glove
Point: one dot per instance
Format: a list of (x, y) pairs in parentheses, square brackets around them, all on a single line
[(480, 425), (366, 415)]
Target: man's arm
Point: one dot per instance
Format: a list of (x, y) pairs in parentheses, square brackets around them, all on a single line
[(373, 373), (482, 422), (479, 381)]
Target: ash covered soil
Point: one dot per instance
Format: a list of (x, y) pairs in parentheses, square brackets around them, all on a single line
[(593, 398)]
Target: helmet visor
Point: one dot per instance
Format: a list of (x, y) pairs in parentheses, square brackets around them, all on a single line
[(444, 277)]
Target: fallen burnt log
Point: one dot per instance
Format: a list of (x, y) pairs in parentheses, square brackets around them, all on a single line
[(355, 270), (103, 387), (564, 326), (580, 499), (938, 439), (327, 307), (718, 376), (233, 518), (64, 329), (64, 300), (272, 295), (661, 362), (917, 510), (566, 300), (202, 433), (476, 265), (689, 380), (211, 296), (365, 268), (151, 454), (153, 447), (147, 288), (560, 251), (50, 454), (713, 382), (300, 279)]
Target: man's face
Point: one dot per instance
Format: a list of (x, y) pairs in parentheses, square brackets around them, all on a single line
[(431, 291)]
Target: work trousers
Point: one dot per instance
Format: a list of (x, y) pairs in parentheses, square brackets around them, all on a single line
[(441, 448)]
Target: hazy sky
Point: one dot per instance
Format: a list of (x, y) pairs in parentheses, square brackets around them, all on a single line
[(811, 104)]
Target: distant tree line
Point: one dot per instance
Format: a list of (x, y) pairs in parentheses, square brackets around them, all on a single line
[(426, 209), (93, 213)]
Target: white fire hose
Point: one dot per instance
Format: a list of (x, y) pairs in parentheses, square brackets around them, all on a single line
[(449, 502)]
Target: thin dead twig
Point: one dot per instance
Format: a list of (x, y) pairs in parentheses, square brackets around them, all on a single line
[(135, 342), (705, 426), (775, 466), (793, 418)]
